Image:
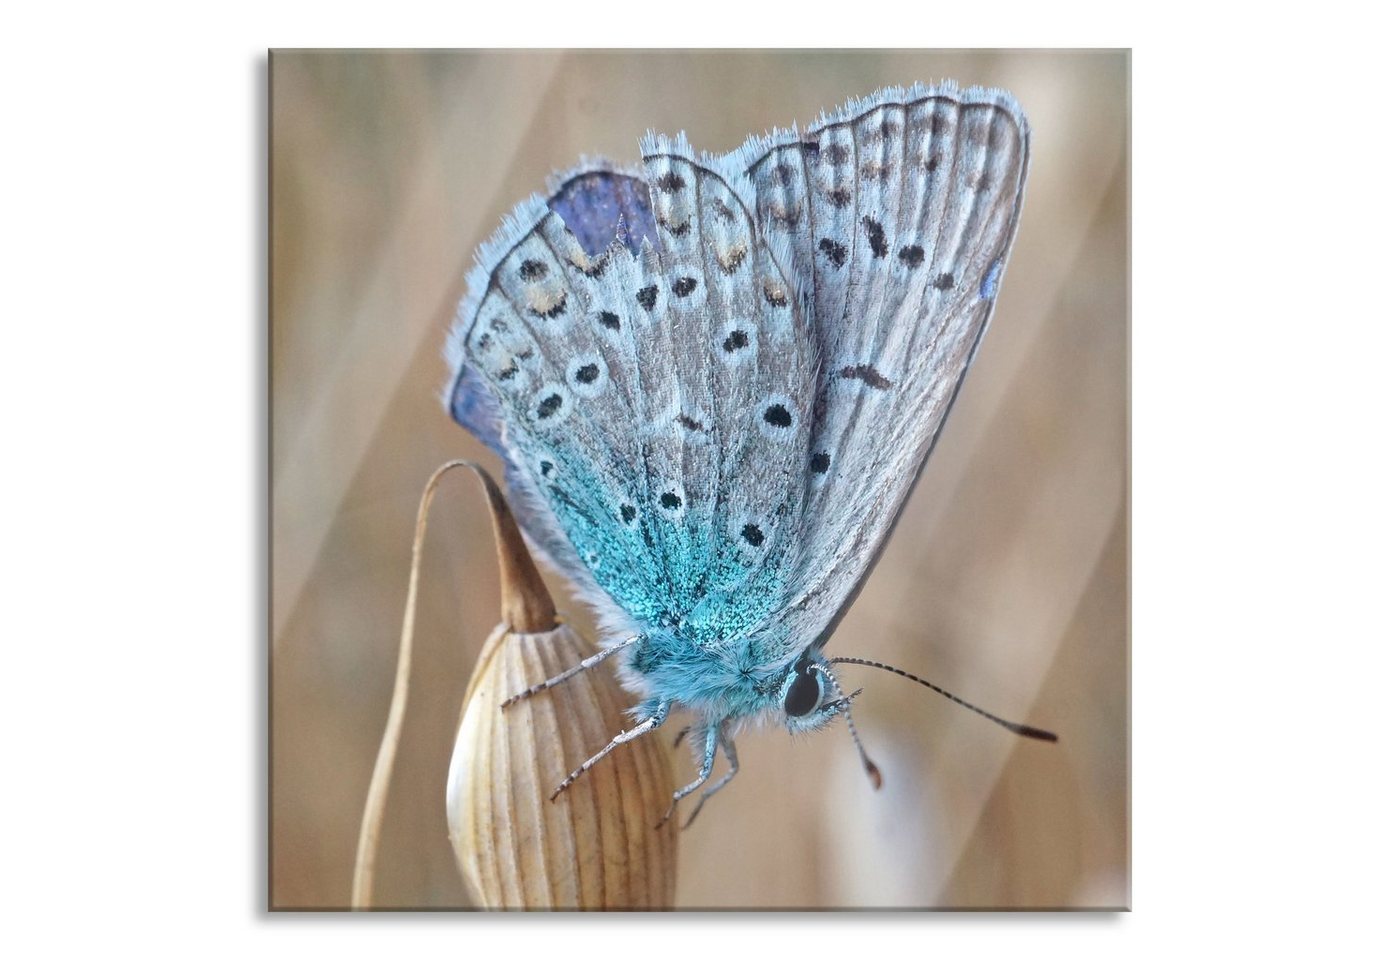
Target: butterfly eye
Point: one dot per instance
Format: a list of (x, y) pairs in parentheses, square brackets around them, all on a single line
[(803, 693)]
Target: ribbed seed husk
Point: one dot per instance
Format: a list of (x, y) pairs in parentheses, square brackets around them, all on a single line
[(597, 846)]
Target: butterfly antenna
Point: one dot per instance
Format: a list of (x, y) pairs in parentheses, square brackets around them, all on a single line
[(1035, 733), (871, 770)]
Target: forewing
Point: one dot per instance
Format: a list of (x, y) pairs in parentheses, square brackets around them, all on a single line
[(900, 210), (628, 394)]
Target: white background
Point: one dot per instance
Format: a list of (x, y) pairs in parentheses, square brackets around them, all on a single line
[(1264, 524)]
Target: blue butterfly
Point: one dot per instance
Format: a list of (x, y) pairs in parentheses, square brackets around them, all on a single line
[(714, 380)]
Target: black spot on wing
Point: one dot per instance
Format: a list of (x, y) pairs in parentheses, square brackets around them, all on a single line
[(778, 415), (647, 296), (835, 252), (549, 406), (876, 235), (867, 374)]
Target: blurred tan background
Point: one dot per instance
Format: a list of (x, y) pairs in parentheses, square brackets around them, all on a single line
[(1006, 582)]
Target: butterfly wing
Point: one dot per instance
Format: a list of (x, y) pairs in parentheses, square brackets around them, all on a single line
[(901, 210), (648, 395)]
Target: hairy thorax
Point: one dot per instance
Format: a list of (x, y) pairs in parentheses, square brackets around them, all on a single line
[(718, 681)]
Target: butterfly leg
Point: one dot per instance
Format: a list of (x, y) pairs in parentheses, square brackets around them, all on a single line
[(574, 671), (707, 765), (732, 756), (656, 718)]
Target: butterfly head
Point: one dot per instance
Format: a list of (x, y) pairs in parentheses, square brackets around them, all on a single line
[(810, 696)]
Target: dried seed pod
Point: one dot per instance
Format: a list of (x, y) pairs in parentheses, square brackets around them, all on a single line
[(597, 845)]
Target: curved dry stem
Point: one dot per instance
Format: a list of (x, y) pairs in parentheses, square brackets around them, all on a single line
[(363, 887)]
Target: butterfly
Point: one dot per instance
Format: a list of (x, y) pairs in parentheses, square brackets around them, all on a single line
[(714, 381)]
